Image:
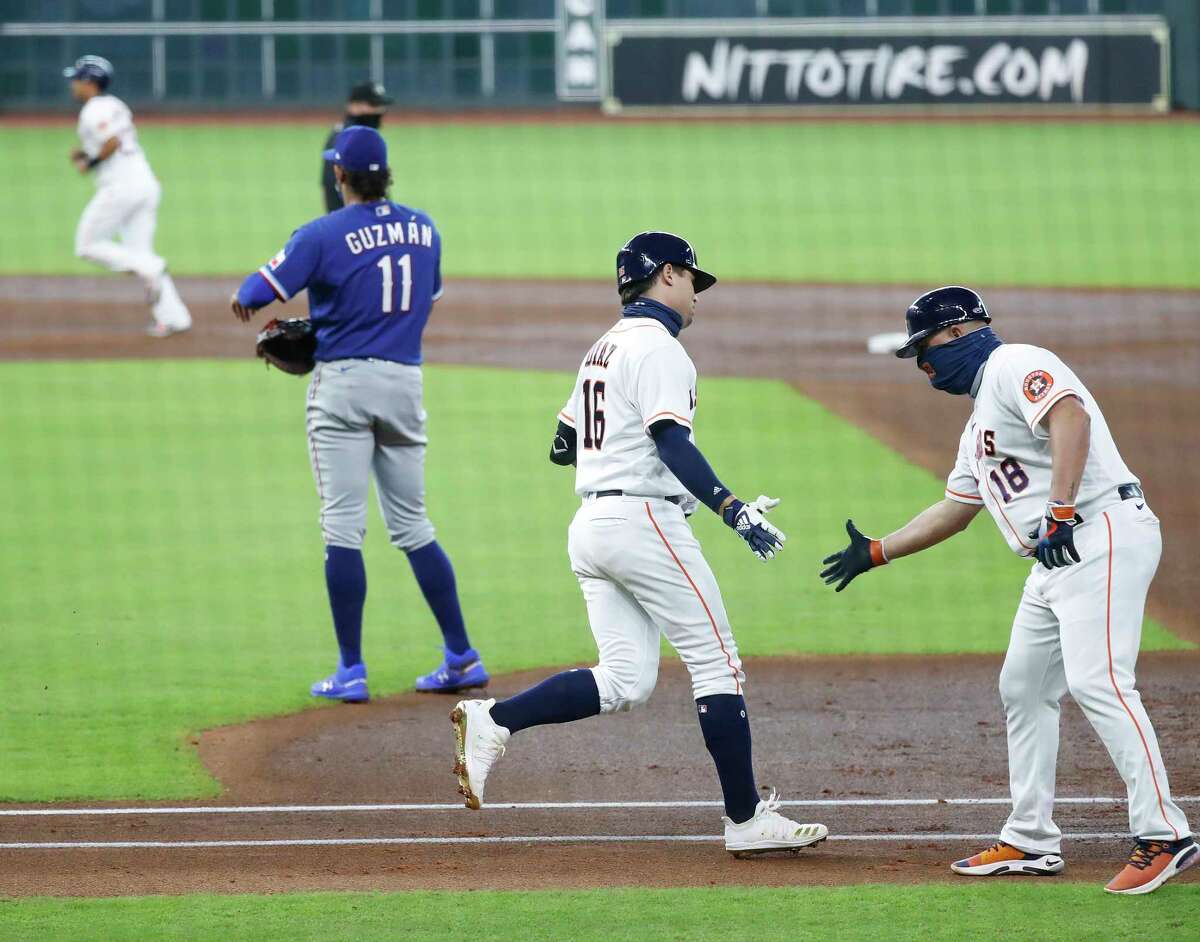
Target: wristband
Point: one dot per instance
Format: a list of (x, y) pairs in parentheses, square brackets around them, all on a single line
[(878, 556), (1058, 511), (93, 163)]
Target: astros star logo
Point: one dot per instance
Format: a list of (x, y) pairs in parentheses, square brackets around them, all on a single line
[(1037, 384)]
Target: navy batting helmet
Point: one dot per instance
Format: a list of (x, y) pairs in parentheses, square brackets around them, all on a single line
[(91, 69), (647, 252), (941, 308)]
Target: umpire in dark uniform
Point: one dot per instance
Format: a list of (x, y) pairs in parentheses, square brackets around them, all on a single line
[(366, 105)]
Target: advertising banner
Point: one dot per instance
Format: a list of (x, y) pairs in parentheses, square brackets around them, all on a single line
[(1071, 64)]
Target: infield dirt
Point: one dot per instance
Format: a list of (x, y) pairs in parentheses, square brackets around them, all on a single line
[(825, 727)]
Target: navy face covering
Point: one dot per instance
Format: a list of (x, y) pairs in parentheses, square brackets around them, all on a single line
[(648, 307), (952, 366)]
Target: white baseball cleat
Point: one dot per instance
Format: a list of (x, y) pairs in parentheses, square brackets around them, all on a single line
[(769, 831), (480, 741)]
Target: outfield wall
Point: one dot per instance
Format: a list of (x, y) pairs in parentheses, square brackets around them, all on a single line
[(188, 55)]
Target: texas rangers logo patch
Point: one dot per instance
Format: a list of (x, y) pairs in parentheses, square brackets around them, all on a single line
[(277, 260), (1037, 385)]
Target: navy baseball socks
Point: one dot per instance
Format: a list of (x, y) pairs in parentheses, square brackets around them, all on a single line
[(563, 698), (462, 667), (751, 826), (573, 695), (482, 727), (346, 582), (726, 731)]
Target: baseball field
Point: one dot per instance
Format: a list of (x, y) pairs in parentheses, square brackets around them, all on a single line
[(163, 612)]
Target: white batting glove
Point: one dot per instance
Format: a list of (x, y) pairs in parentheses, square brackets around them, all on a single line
[(749, 522)]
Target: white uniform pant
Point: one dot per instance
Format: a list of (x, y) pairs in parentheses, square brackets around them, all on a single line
[(128, 207), (642, 574), (1078, 629)]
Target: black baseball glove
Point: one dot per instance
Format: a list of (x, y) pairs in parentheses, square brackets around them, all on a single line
[(289, 344)]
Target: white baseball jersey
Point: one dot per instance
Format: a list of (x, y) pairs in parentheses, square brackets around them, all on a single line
[(639, 565), (635, 375), (104, 117), (1078, 627), (125, 204), (1004, 453)]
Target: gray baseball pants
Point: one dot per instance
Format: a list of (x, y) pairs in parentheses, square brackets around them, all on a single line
[(365, 417)]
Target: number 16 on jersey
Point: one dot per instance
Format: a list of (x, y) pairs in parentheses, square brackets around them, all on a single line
[(593, 414)]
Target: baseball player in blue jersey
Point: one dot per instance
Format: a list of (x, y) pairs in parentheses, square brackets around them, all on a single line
[(372, 271)]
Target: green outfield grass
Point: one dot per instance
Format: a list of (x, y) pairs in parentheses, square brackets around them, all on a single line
[(171, 579), (1041, 912), (975, 202)]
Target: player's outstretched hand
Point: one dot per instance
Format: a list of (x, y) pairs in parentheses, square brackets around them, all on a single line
[(1057, 546), (853, 561), (240, 311), (748, 522)]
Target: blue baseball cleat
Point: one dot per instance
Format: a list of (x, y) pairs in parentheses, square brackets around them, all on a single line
[(457, 672), (348, 684)]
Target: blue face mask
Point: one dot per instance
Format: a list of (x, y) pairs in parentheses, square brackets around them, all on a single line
[(648, 307), (952, 366)]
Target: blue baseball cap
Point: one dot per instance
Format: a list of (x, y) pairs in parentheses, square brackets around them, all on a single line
[(359, 148)]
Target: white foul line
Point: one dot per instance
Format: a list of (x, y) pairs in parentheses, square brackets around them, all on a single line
[(932, 837), (534, 806)]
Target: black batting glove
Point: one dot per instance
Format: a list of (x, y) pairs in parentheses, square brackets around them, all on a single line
[(862, 554), (1057, 546)]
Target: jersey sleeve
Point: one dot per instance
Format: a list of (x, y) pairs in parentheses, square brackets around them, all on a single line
[(101, 120), (1033, 382), (566, 414), (437, 266), (664, 387), (961, 485), (295, 264)]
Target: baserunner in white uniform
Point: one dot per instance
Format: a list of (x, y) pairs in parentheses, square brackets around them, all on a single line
[(127, 195), (1038, 454), (628, 428)]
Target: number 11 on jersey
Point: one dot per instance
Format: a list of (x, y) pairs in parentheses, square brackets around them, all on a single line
[(405, 266)]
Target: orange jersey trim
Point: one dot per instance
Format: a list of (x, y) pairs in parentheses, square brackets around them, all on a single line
[(1052, 401), (667, 415)]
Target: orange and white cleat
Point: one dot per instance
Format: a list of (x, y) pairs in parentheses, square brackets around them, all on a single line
[(1153, 863), (1003, 859)]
